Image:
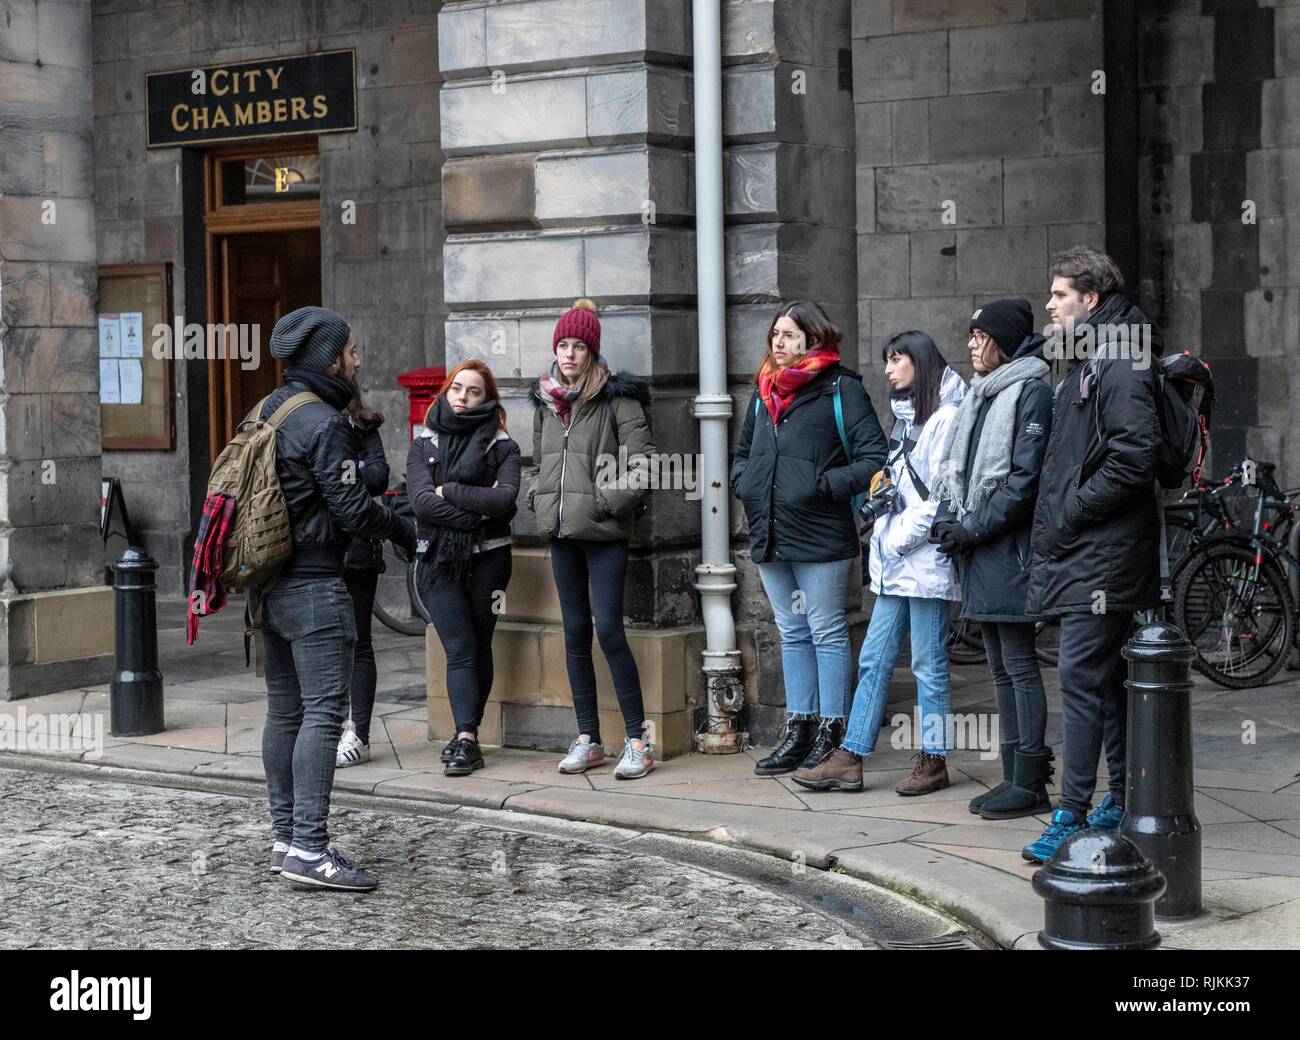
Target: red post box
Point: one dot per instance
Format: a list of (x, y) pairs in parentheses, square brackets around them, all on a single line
[(422, 385)]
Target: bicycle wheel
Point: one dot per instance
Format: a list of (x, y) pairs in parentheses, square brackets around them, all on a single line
[(1047, 642), (1238, 616), (394, 603), (965, 639)]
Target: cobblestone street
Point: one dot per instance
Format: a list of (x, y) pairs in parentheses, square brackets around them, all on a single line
[(92, 864)]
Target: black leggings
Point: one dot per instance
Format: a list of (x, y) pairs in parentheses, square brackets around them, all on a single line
[(1017, 684), (591, 574), (464, 615), (362, 585)]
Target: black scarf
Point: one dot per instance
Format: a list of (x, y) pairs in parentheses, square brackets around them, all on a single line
[(335, 391), (464, 439)]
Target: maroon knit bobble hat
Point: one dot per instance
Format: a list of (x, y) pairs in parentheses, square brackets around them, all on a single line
[(579, 322)]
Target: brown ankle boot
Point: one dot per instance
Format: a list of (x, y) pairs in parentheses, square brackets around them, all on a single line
[(929, 774), (839, 771)]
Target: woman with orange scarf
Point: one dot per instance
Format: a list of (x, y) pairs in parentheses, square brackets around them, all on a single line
[(810, 443)]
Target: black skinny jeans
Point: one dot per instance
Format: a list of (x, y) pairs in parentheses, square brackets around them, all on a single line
[(365, 676), (463, 614), (589, 577), (1018, 684), (1094, 705)]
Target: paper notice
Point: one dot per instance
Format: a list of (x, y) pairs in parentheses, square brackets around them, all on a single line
[(131, 379), (110, 336), (110, 391), (132, 333)]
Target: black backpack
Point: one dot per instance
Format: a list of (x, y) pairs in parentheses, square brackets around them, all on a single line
[(1184, 402)]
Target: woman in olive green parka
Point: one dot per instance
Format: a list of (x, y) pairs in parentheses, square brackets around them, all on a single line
[(592, 454)]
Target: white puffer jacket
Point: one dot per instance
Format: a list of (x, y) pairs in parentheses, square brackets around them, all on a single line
[(903, 560)]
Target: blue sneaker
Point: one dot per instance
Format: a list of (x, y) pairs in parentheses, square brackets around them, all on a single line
[(1107, 815), (1064, 823)]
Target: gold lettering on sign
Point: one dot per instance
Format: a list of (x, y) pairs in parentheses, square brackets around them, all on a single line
[(318, 106), (298, 106), (219, 118), (274, 76), (177, 124), (281, 109), (244, 114), (264, 111), (224, 88), (281, 178)]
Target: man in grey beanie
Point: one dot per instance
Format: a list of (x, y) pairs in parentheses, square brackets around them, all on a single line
[(308, 626)]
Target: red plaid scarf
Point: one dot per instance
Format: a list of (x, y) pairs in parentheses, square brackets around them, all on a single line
[(562, 397), (205, 569), (777, 386)]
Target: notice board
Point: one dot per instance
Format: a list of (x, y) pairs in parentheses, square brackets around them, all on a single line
[(137, 410)]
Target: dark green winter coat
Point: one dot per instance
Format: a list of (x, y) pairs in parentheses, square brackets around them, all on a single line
[(579, 486)]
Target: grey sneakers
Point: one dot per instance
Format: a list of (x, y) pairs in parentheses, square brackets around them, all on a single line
[(638, 759), (330, 871), (583, 755)]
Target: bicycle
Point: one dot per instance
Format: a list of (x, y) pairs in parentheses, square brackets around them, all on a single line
[(1201, 513), (397, 601), (1233, 596)]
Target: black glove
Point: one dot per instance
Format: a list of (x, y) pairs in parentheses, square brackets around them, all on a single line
[(951, 537)]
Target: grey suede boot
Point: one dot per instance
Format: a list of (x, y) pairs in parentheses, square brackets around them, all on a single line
[(1008, 773)]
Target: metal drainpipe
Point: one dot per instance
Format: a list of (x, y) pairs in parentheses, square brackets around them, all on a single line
[(716, 575)]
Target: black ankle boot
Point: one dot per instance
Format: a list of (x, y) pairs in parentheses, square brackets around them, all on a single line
[(1027, 795), (1008, 774), (790, 753), (829, 735)]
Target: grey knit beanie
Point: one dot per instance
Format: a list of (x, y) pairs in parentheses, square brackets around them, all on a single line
[(310, 337)]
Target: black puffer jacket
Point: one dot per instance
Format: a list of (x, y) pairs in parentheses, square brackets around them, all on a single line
[(1095, 525), (796, 483), (994, 574), (367, 554), (325, 508), (466, 506)]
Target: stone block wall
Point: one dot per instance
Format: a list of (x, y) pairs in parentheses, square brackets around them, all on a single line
[(980, 148), (49, 408), (1219, 206)]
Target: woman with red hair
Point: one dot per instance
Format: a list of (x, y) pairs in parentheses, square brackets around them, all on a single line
[(462, 475)]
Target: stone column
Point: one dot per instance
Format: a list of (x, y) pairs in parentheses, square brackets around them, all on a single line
[(567, 129), (566, 126), (56, 619)]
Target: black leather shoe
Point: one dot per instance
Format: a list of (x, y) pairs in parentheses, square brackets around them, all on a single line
[(793, 749), (448, 749), (829, 735), (467, 757)]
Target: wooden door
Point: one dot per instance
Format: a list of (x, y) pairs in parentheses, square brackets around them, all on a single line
[(255, 298)]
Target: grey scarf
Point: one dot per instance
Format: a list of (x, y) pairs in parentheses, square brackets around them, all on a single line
[(993, 453)]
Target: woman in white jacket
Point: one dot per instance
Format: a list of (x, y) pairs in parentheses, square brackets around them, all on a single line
[(913, 582)]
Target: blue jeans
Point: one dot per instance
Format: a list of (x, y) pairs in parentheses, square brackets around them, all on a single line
[(816, 656), (891, 619), (309, 633)]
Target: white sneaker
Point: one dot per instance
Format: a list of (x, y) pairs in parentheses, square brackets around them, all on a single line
[(583, 755), (351, 751), (638, 759)]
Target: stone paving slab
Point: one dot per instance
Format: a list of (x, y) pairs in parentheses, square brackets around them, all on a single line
[(930, 848)]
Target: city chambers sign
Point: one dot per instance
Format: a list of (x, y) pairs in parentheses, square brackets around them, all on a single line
[(272, 97)]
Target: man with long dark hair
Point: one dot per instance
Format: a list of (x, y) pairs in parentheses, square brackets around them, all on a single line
[(1095, 536), (307, 619)]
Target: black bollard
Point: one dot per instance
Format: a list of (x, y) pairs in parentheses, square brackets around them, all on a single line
[(1159, 801), (136, 691), (1098, 893)]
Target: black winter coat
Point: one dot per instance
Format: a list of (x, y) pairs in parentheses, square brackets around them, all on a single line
[(367, 554), (1095, 526), (796, 483), (469, 507), (994, 574), (325, 507)]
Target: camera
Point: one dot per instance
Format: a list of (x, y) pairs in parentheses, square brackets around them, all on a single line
[(883, 501)]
